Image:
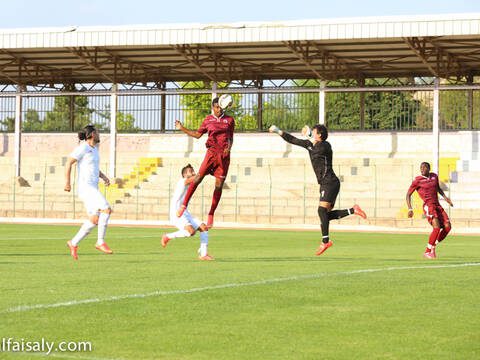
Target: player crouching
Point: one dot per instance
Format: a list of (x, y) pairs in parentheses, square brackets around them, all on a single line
[(186, 224)]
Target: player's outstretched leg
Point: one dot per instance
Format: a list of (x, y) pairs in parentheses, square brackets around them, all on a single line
[(177, 234), (85, 229), (325, 224), (338, 214)]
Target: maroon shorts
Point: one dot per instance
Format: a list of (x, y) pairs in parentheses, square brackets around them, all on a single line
[(432, 211), (215, 163)]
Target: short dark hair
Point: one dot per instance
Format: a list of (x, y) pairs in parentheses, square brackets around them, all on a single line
[(185, 168), (322, 130), (426, 164), (215, 101), (86, 132)]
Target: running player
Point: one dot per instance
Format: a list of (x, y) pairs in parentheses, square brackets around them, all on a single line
[(98, 209), (428, 187), (220, 128), (186, 224), (320, 152)]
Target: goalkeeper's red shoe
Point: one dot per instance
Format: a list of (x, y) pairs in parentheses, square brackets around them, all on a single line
[(323, 248), (206, 258), (165, 240), (358, 211), (73, 249), (104, 248), (210, 221), (181, 210)]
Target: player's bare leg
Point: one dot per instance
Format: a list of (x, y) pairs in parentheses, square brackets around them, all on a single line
[(217, 194)]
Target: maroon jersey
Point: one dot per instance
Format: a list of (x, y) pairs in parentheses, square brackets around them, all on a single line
[(220, 131), (426, 187)]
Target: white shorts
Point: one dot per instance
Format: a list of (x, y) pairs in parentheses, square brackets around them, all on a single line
[(185, 220), (93, 200)]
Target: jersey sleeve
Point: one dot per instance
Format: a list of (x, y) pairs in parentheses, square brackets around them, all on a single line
[(232, 130), (79, 152), (203, 127), (413, 186), (296, 141)]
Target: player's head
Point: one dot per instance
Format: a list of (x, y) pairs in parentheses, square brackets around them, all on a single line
[(188, 171), (217, 110), (320, 132), (425, 168), (89, 132)]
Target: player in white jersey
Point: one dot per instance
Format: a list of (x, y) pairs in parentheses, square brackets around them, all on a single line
[(88, 169), (186, 224)]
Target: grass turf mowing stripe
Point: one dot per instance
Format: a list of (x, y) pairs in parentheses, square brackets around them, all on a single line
[(24, 308)]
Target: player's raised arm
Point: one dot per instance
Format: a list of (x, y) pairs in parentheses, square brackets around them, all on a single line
[(290, 138), (104, 177), (192, 133)]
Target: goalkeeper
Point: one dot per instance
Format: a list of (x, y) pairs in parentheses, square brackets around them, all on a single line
[(320, 152)]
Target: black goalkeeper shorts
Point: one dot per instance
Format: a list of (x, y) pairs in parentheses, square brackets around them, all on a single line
[(329, 190)]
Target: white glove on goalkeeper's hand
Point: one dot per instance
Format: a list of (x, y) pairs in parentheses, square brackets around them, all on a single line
[(274, 129)]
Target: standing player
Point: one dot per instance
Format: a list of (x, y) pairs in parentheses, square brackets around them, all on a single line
[(428, 187), (320, 152), (98, 209), (220, 128), (186, 224)]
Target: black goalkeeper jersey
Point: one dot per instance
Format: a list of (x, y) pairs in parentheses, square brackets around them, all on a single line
[(320, 156)]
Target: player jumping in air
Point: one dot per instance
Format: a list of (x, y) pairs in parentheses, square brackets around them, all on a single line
[(428, 187), (220, 128), (98, 209), (320, 152), (186, 224)]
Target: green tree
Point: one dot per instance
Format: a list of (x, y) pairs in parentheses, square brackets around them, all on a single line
[(59, 118), (125, 121), (8, 124)]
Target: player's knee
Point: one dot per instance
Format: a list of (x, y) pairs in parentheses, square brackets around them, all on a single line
[(191, 231), (322, 211), (94, 219), (447, 227), (108, 211)]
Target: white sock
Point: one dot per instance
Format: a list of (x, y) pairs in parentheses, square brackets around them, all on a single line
[(83, 232), (102, 227), (178, 234), (203, 243)]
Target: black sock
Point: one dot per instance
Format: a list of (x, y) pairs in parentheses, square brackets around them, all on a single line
[(324, 223), (338, 214)]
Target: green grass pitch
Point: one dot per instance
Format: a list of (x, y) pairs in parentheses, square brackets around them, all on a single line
[(370, 296)]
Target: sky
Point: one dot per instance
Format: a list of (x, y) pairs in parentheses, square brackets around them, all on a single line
[(59, 13)]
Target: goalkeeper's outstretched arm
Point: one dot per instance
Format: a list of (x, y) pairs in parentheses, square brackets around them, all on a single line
[(290, 138)]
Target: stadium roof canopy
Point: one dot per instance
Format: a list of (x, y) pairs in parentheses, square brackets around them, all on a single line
[(437, 46)]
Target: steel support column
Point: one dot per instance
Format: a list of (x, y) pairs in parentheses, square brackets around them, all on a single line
[(18, 130), (113, 131), (321, 103), (436, 126)]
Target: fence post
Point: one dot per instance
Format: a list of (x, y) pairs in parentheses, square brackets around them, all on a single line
[(270, 193), (259, 105), (163, 107), (236, 193), (113, 131), (362, 104), (44, 181)]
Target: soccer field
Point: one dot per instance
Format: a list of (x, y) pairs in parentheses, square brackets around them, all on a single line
[(370, 296)]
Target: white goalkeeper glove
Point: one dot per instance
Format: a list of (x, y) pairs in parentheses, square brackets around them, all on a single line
[(274, 129), (307, 132)]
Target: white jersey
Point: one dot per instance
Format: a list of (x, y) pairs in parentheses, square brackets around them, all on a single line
[(88, 167), (178, 197)]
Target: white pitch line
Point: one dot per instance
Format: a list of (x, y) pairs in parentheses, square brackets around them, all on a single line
[(24, 308), (64, 356)]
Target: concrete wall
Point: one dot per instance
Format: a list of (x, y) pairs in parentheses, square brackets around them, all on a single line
[(345, 144)]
